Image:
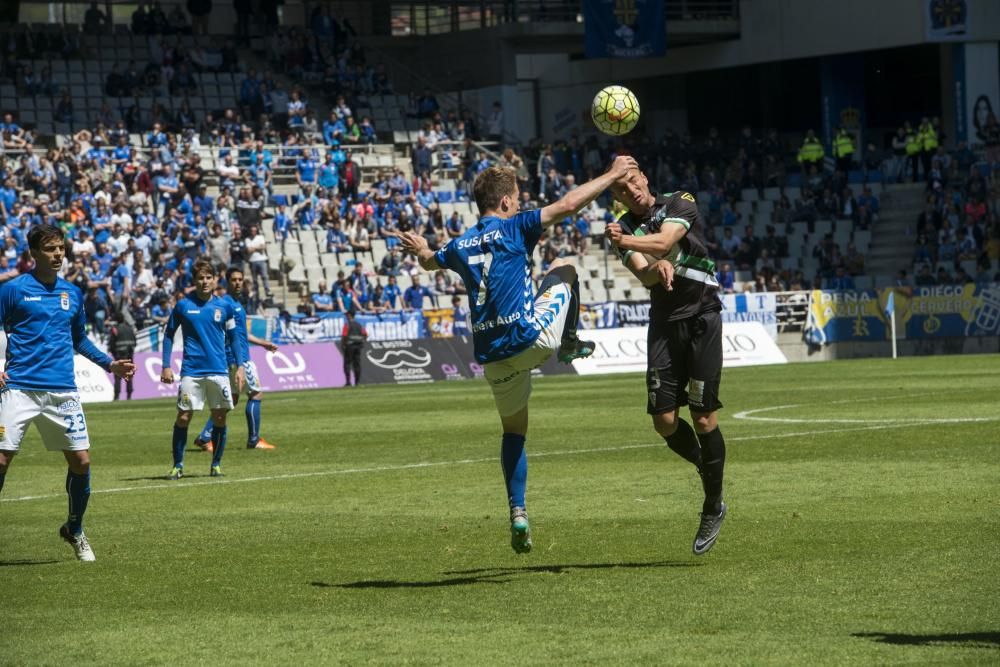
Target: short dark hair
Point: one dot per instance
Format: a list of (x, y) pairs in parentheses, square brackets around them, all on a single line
[(39, 234), (203, 264), (492, 185), (231, 270)]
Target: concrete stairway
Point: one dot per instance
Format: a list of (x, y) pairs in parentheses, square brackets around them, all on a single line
[(894, 235)]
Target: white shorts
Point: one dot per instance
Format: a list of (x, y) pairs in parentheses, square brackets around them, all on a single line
[(252, 379), (58, 416), (510, 379), (194, 393)]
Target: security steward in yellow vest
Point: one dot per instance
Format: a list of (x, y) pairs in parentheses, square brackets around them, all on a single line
[(811, 153), (914, 147), (843, 150), (928, 145)]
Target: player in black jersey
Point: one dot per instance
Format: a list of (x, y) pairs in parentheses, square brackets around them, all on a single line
[(663, 234)]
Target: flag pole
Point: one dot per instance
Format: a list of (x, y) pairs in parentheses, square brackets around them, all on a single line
[(893, 325)]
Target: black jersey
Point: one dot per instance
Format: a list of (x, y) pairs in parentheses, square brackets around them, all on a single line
[(696, 289)]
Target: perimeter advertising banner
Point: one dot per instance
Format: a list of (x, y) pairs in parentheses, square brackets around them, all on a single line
[(292, 367), (944, 311), (429, 360), (624, 350)]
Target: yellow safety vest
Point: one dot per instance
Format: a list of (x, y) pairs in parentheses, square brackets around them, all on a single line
[(913, 143), (843, 145), (929, 139), (811, 151)]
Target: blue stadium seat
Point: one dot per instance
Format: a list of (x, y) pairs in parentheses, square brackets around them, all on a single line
[(280, 200), (445, 196)]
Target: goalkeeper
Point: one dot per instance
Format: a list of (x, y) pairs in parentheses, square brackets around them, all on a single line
[(662, 235)]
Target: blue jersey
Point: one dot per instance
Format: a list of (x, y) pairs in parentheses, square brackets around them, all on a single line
[(493, 259), (240, 332), (209, 336), (45, 324)]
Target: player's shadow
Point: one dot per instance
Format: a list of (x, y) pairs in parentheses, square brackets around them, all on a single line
[(499, 575), (25, 561), (970, 639)]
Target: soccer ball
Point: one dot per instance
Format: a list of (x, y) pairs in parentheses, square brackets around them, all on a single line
[(615, 110)]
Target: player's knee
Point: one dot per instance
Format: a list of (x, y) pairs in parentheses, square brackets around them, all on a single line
[(256, 395), (219, 417), (704, 422), (78, 462), (564, 268), (5, 459), (184, 418), (665, 423)]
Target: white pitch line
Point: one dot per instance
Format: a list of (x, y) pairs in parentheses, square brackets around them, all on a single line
[(434, 464), (747, 415)]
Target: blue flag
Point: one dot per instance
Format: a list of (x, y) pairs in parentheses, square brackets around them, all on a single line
[(890, 304), (624, 28)]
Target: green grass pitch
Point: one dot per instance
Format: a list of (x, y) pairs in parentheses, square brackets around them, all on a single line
[(864, 528)]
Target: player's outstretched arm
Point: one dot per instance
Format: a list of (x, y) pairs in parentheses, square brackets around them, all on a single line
[(657, 244), (579, 197), (417, 245)]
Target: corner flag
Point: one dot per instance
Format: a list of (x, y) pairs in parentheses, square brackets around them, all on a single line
[(890, 312), (890, 304)]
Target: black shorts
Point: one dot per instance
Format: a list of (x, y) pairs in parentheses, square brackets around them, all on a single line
[(684, 364)]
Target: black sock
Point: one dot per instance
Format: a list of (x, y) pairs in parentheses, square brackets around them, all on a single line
[(713, 449), (684, 442), (569, 329)]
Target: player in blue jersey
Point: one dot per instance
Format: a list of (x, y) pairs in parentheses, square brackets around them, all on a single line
[(208, 324), (234, 287), (44, 319), (514, 332)]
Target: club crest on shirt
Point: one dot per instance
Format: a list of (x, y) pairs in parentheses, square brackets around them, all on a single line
[(64, 300), (3, 432), (218, 315)]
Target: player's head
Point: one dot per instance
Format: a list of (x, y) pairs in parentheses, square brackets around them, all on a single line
[(234, 278), (205, 277), (633, 191), (496, 191), (47, 244)]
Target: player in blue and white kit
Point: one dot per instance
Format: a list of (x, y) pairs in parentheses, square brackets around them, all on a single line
[(512, 331), (44, 319), (234, 287), (209, 327)]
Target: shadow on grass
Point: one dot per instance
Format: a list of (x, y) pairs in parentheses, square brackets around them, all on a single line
[(970, 639), (12, 563), (500, 575)]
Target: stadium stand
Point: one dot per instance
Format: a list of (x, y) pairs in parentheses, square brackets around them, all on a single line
[(151, 149)]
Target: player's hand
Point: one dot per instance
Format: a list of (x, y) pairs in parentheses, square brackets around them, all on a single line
[(123, 368), (665, 270), (412, 242), (241, 380), (3, 378), (271, 347), (613, 233), (167, 376), (622, 165)]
